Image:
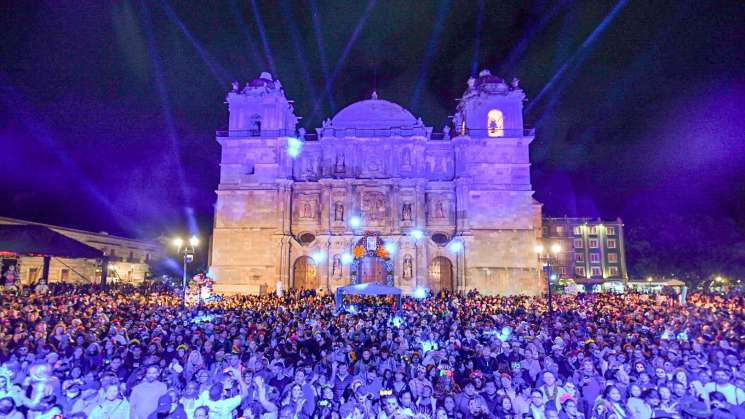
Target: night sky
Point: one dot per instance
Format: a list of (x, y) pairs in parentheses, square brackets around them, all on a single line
[(108, 108)]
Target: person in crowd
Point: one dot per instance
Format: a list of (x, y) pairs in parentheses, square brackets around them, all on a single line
[(136, 352), (145, 396), (8, 408), (113, 405)]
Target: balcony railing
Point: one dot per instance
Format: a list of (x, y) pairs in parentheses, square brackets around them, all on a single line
[(377, 133), (507, 133)]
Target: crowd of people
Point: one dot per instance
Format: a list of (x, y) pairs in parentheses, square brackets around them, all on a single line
[(84, 352)]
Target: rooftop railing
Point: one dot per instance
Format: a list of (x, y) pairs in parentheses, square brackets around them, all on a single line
[(378, 133)]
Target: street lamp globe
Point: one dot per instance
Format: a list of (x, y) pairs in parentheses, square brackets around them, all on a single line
[(555, 248), (194, 241), (178, 242), (539, 249)]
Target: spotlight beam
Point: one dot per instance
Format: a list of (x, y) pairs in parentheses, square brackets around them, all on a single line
[(517, 52), (321, 49), (264, 41), (295, 39), (477, 39), (218, 72), (166, 108), (343, 58), (255, 55), (577, 58), (30, 120), (442, 12)]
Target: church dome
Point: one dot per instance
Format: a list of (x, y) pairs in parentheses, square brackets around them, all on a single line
[(373, 114)]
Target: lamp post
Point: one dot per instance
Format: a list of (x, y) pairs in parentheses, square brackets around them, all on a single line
[(187, 250), (547, 256)]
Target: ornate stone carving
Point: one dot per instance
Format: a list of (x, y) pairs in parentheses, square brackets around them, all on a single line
[(373, 206), (439, 209), (406, 211), (307, 210), (406, 159), (408, 271), (340, 165), (338, 211), (336, 267)]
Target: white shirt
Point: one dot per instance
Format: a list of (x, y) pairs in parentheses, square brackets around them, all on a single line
[(223, 408), (734, 395)]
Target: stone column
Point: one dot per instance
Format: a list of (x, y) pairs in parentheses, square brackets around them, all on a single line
[(461, 205), (396, 206), (421, 223), (284, 261), (326, 210)]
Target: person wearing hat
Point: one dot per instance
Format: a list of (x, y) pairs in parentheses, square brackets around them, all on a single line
[(8, 408), (168, 407), (722, 409), (68, 399), (88, 399)]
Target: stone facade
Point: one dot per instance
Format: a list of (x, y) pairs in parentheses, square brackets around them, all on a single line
[(347, 203)]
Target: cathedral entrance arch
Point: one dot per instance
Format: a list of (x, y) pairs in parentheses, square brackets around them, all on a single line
[(440, 275), (305, 273), (372, 263)]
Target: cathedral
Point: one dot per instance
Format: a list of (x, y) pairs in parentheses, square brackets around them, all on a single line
[(375, 195)]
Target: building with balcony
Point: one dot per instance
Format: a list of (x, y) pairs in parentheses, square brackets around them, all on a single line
[(593, 251), (128, 259), (374, 195)]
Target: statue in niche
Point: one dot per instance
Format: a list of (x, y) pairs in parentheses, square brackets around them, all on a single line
[(380, 209), (406, 212), (406, 158), (306, 210), (408, 267), (440, 211), (340, 166), (301, 133), (446, 132), (336, 267), (338, 211)]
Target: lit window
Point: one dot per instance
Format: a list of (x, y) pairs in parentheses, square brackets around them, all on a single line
[(463, 128), (594, 230), (595, 257), (612, 257), (611, 243), (595, 271), (579, 271), (578, 243), (577, 230), (611, 231), (559, 230), (613, 271), (563, 270), (593, 243), (580, 257), (495, 123)]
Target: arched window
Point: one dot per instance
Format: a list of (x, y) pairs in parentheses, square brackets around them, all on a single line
[(495, 123)]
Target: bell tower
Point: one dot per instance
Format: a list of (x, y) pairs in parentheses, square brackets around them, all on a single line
[(253, 198), (490, 108), (498, 212)]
